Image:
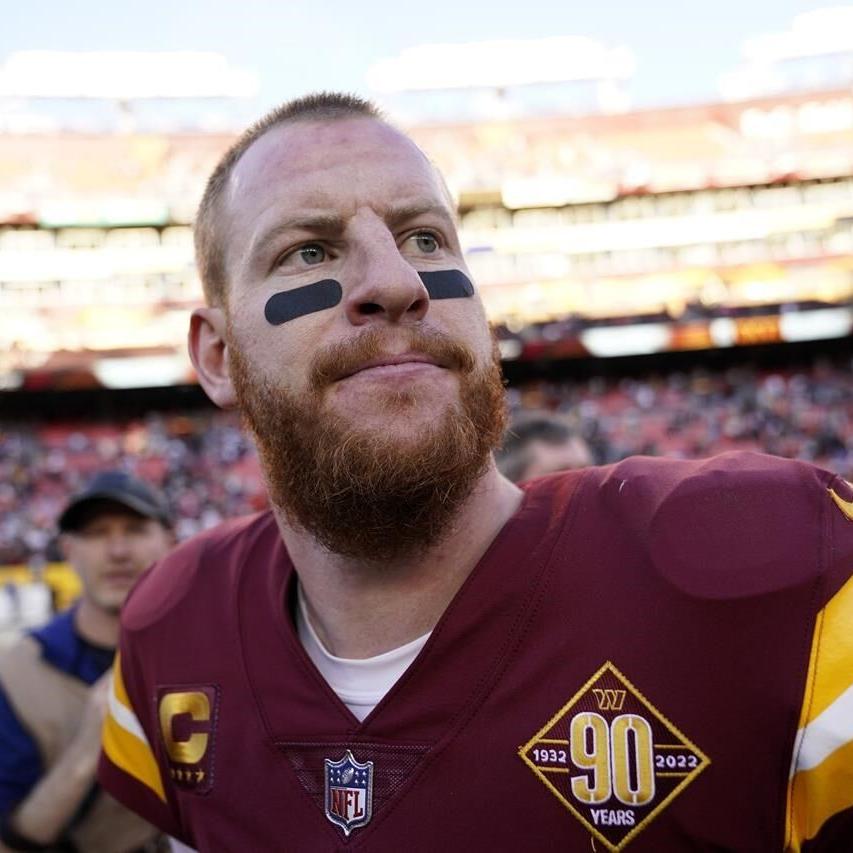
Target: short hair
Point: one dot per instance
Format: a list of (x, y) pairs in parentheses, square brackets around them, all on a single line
[(514, 455), (209, 240)]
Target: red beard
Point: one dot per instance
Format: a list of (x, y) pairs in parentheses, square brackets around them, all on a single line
[(361, 493)]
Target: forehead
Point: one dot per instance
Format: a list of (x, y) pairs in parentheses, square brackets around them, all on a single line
[(335, 164), (103, 513)]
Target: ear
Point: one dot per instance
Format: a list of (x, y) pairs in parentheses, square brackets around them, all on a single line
[(209, 355)]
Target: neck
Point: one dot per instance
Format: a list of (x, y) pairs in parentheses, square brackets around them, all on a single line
[(360, 610), (100, 627)]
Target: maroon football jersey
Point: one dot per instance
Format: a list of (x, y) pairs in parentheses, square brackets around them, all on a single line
[(624, 669)]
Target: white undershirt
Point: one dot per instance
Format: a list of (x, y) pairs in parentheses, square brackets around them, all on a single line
[(360, 684)]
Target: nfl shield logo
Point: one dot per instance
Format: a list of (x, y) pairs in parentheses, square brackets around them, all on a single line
[(349, 792)]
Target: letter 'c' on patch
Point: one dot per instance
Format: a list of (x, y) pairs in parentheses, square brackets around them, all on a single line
[(290, 304)]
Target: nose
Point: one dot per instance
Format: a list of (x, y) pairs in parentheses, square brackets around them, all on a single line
[(385, 287), (118, 545)]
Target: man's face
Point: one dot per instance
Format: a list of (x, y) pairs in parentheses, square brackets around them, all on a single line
[(110, 550), (547, 458), (356, 202), (375, 416)]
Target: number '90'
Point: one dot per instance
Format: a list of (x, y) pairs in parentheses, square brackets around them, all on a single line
[(618, 758)]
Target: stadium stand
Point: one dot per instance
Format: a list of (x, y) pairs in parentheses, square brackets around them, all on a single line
[(208, 468), (204, 462)]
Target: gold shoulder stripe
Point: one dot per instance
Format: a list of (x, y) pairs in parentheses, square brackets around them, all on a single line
[(118, 683), (832, 653), (819, 794), (132, 755), (124, 741), (845, 506), (822, 776)]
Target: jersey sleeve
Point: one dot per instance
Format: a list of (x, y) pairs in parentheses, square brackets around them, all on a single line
[(820, 791), (128, 767)]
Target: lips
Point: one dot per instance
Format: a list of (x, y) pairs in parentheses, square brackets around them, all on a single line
[(394, 361), (120, 576), (392, 352)]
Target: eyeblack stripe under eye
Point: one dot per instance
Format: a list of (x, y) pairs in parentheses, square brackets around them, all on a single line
[(447, 284), (290, 304)]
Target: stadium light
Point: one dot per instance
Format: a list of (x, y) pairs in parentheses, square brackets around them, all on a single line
[(818, 33), (496, 64), (773, 61), (123, 75)]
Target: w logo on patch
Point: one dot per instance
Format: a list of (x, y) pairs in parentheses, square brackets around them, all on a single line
[(609, 700), (349, 792)]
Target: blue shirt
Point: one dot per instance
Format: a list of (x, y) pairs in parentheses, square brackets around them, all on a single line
[(20, 760)]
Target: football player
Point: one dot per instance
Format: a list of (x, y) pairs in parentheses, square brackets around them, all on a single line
[(410, 652)]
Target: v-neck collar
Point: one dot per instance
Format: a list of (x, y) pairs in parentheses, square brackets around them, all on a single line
[(461, 660)]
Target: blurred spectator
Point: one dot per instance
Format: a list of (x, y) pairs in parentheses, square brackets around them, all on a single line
[(203, 462), (54, 680), (538, 443), (803, 413)]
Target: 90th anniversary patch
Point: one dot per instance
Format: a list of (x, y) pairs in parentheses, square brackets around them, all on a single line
[(612, 759)]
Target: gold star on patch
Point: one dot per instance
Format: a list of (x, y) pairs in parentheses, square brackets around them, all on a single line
[(612, 759)]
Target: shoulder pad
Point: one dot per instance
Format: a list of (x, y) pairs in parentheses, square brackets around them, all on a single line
[(175, 578), (737, 525)]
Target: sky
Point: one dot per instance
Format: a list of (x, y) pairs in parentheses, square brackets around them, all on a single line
[(295, 46)]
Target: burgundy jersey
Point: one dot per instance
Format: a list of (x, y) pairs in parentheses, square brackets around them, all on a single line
[(639, 661)]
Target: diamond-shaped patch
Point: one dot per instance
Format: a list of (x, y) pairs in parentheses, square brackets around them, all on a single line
[(612, 759)]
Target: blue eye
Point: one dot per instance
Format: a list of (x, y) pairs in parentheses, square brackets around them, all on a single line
[(312, 254), (426, 242)]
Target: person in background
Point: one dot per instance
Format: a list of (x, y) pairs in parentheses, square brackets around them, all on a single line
[(54, 680), (539, 443)]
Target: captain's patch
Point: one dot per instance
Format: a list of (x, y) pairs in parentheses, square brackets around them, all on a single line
[(188, 719), (612, 759)]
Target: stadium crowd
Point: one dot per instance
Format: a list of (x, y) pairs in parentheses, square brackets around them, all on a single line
[(207, 467)]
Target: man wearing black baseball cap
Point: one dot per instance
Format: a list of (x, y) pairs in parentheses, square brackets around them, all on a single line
[(115, 487), (53, 682)]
